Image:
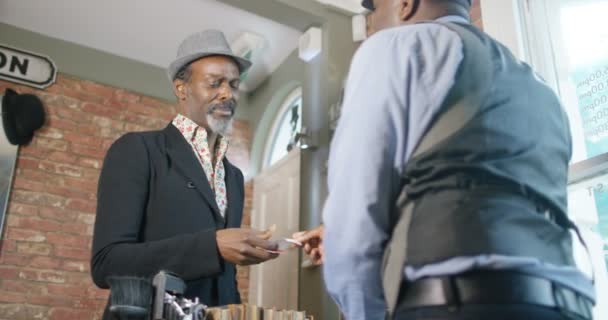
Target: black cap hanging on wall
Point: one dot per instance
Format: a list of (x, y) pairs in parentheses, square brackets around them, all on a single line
[(22, 115)]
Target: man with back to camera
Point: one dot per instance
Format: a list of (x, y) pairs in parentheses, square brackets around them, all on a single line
[(473, 149), (169, 199)]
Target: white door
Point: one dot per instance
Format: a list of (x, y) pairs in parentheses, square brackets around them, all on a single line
[(276, 200)]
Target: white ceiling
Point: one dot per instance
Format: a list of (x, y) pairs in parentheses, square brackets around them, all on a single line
[(149, 30)]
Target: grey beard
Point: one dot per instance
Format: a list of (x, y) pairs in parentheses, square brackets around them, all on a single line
[(219, 126)]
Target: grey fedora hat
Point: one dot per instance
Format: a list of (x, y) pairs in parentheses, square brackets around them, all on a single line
[(204, 44)]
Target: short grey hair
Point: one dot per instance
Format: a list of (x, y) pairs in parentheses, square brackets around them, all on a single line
[(184, 74)]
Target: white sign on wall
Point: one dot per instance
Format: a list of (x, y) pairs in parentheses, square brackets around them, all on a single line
[(26, 68)]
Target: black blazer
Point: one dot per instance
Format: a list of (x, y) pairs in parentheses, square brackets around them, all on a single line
[(156, 211)]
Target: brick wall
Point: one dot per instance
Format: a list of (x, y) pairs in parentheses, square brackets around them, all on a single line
[(45, 248)]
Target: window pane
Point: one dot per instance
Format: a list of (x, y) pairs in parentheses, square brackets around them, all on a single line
[(581, 54), (291, 123)]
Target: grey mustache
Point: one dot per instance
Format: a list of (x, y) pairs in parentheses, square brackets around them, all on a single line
[(228, 105)]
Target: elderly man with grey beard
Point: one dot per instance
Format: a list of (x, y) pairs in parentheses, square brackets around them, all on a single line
[(169, 199)]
